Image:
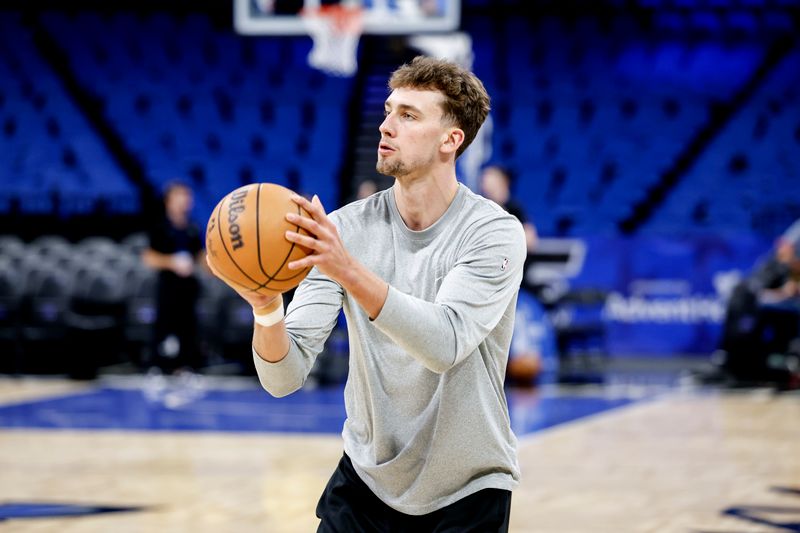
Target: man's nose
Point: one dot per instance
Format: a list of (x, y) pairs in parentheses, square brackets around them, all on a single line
[(386, 127)]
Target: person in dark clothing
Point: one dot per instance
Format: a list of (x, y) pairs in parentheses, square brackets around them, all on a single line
[(495, 185), (175, 243), (762, 314)]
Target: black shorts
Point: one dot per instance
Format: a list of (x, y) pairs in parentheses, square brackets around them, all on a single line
[(348, 506)]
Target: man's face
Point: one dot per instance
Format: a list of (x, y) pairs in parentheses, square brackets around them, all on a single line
[(179, 200), (411, 133), (494, 185)]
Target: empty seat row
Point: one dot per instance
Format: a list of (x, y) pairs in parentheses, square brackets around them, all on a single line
[(51, 159), (53, 292), (239, 123), (750, 170)]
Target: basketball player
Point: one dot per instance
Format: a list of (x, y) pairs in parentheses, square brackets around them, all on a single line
[(427, 273)]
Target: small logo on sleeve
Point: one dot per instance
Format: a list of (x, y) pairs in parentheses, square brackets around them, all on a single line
[(504, 266)]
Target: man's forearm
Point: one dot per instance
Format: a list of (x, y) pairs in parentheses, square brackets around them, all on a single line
[(366, 287), (271, 343), (156, 260)]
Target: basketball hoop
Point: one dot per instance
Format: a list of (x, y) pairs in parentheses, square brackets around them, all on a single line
[(335, 30)]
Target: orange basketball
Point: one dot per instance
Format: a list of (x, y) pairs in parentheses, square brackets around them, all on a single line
[(246, 242)]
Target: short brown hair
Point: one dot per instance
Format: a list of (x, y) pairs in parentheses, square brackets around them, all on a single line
[(466, 102)]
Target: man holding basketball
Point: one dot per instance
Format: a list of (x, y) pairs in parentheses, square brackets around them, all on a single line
[(427, 273)]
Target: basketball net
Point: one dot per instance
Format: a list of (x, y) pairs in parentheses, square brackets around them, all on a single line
[(335, 30)]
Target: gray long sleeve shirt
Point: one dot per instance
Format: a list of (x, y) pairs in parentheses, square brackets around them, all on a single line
[(427, 420)]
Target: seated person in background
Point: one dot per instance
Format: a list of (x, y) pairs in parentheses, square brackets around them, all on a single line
[(763, 312)]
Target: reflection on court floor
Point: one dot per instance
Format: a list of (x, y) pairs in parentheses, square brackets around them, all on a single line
[(244, 407)]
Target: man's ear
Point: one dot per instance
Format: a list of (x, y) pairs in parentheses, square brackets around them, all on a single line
[(452, 139)]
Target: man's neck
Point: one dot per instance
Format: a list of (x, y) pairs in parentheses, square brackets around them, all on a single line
[(421, 202), (178, 220)]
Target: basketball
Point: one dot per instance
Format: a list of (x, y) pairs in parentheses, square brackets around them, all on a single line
[(246, 242)]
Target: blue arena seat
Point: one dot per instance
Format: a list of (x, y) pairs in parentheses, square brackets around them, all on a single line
[(749, 167), (590, 95), (208, 94)]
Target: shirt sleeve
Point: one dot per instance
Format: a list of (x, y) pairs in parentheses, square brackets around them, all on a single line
[(472, 299), (310, 318)]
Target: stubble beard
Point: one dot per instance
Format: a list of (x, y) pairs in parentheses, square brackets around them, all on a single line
[(391, 168), (398, 168)]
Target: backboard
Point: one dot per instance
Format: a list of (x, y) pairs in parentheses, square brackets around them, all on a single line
[(381, 17)]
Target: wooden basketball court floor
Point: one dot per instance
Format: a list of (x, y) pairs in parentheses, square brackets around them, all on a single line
[(128, 454)]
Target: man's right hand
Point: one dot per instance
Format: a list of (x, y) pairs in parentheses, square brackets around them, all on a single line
[(269, 343)]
